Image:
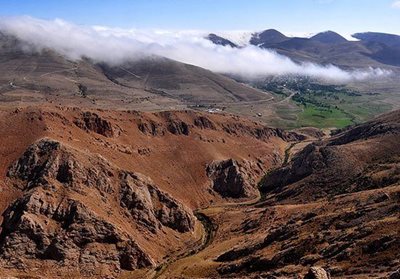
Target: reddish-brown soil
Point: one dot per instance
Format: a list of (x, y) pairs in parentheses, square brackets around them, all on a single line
[(171, 148)]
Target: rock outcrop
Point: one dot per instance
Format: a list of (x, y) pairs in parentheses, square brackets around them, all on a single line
[(148, 205), (49, 160), (57, 217), (317, 273), (204, 123), (189, 123), (151, 128), (175, 127), (178, 128), (233, 179), (92, 122), (41, 225)]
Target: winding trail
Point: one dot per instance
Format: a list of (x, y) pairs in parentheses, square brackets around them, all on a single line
[(287, 99)]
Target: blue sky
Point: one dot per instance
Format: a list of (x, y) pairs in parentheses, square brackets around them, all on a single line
[(344, 16)]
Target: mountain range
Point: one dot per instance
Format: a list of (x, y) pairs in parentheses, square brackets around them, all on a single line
[(368, 49), (150, 83)]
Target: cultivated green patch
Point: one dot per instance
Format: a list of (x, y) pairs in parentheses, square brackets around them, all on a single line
[(303, 102)]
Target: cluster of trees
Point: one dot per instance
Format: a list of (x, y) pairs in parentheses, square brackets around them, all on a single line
[(306, 99), (304, 85)]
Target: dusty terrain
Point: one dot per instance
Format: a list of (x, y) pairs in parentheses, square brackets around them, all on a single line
[(99, 193), (334, 205), (57, 161)]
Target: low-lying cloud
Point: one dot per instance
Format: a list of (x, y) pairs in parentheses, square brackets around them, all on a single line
[(116, 45)]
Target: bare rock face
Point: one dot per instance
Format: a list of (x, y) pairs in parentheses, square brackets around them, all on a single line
[(156, 129), (55, 218), (151, 128), (204, 123), (232, 179), (93, 122), (41, 225), (148, 205), (168, 123), (317, 273), (48, 159), (178, 128)]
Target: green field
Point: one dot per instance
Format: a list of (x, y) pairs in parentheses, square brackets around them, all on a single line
[(320, 117), (322, 106)]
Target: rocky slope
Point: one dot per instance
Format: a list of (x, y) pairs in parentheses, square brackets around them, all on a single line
[(331, 212), (336, 205), (365, 156), (103, 193), (53, 221)]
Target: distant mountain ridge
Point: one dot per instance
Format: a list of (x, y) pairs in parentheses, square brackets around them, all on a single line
[(371, 49), (148, 84), (384, 38)]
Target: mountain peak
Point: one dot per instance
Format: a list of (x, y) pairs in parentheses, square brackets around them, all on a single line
[(329, 37), (268, 37)]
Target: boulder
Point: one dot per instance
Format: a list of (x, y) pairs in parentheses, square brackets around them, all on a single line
[(317, 273)]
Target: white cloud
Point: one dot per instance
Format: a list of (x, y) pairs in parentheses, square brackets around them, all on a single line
[(396, 4), (115, 45)]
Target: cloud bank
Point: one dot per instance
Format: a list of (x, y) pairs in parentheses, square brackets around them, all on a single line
[(116, 45)]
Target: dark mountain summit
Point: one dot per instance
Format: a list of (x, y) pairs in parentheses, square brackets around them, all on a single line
[(267, 38), (329, 37)]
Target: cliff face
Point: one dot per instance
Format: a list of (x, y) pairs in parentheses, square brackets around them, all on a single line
[(233, 179)]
